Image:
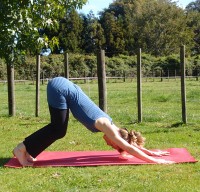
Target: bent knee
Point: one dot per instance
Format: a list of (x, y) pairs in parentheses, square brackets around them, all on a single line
[(60, 134)]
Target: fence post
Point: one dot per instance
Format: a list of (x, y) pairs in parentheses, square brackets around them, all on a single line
[(66, 65), (139, 87), (124, 73), (11, 88), (197, 74), (85, 81), (183, 87), (175, 74), (168, 74), (153, 73), (42, 77), (161, 75), (102, 80), (37, 85)]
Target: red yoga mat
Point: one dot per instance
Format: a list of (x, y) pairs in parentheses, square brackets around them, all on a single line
[(97, 158)]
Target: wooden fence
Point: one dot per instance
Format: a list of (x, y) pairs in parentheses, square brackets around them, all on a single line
[(102, 78)]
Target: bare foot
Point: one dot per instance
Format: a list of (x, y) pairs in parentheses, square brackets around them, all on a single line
[(30, 158), (20, 153)]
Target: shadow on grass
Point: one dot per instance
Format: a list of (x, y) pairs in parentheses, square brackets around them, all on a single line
[(4, 116), (31, 124), (178, 124), (3, 161), (163, 130), (197, 129)]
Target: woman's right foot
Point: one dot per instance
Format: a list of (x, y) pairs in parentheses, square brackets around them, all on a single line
[(20, 153)]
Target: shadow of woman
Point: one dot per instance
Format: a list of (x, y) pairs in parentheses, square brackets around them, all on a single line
[(3, 161)]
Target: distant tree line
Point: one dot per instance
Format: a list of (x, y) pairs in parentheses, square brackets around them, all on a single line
[(159, 27)]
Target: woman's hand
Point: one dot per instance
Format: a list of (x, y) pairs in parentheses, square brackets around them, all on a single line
[(124, 155)]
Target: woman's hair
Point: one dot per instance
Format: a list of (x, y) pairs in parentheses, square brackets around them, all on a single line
[(132, 137)]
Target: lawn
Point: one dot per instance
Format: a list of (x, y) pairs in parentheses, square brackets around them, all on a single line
[(162, 126)]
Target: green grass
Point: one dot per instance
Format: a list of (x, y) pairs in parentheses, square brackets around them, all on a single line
[(162, 126)]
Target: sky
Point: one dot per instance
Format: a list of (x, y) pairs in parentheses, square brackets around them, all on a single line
[(99, 5)]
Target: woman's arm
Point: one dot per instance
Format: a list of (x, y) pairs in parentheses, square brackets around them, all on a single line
[(152, 153), (112, 132), (134, 150)]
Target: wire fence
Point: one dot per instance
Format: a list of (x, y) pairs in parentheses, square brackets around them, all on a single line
[(119, 75), (161, 100), (114, 76)]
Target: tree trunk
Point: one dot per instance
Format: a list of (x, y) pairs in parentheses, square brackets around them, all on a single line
[(37, 107), (11, 88)]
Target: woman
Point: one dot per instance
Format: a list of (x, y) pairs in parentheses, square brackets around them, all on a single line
[(63, 95)]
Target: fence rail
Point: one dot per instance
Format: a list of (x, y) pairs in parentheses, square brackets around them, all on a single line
[(108, 77)]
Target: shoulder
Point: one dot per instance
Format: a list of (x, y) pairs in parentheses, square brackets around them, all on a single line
[(104, 125)]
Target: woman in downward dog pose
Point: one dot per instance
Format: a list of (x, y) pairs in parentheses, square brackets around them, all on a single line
[(62, 96)]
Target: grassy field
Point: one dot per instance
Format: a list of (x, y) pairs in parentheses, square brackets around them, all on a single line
[(162, 126)]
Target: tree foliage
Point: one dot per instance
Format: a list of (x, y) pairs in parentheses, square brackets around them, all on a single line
[(70, 31), (159, 27), (93, 34), (193, 6), (22, 26), (113, 33), (21, 20), (193, 21)]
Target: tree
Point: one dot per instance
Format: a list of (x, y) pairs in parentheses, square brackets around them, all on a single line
[(128, 11), (70, 30), (159, 27), (193, 6), (193, 21), (19, 23), (163, 28), (113, 32), (92, 34)]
